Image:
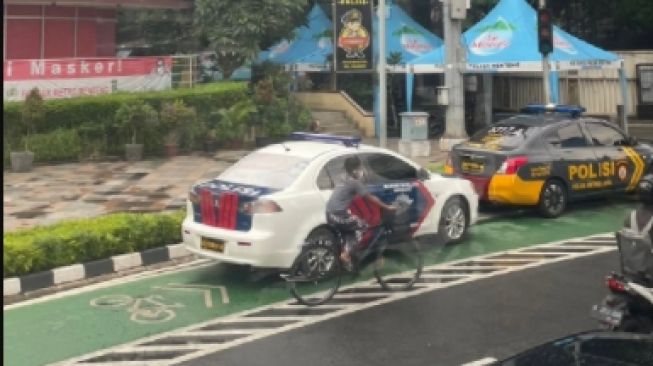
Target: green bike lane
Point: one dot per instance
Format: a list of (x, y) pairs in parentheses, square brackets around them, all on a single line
[(63, 327)]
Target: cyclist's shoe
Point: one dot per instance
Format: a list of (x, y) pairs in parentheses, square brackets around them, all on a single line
[(347, 262)]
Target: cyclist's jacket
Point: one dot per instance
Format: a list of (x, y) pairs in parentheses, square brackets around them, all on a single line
[(343, 194)]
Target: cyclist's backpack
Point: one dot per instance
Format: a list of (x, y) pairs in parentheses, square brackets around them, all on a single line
[(636, 249)]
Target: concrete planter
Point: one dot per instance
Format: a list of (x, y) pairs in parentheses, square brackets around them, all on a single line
[(21, 161), (133, 152)]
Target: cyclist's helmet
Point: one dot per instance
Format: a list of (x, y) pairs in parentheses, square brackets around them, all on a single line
[(645, 189)]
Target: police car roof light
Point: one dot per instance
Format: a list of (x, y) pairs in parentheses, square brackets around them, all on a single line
[(350, 141), (573, 110)]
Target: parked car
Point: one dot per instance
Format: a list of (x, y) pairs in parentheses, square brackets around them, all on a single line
[(587, 348), (545, 157), (263, 208)]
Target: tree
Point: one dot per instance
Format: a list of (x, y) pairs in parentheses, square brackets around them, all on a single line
[(163, 31), (236, 29)]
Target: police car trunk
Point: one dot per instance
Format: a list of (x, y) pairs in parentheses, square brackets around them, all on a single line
[(493, 150)]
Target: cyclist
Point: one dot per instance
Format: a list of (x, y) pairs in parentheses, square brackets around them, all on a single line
[(644, 213), (337, 208)]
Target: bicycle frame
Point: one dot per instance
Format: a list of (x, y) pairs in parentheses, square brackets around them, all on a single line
[(379, 233)]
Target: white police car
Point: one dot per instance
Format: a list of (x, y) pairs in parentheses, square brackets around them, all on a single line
[(260, 210)]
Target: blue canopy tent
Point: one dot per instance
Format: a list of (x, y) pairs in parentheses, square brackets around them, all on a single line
[(405, 40), (506, 41), (312, 47), (404, 37), (309, 50)]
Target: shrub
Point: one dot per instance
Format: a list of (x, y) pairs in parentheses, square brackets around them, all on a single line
[(135, 119), (231, 122), (57, 146), (180, 123), (95, 115), (76, 241), (31, 114)]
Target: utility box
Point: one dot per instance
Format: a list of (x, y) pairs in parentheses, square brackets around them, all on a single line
[(459, 9), (414, 134), (414, 126)]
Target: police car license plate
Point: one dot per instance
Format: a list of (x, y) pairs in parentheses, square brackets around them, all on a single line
[(606, 314), (215, 245), (472, 167)]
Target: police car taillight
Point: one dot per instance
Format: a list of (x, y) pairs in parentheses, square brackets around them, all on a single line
[(261, 207), (512, 165)]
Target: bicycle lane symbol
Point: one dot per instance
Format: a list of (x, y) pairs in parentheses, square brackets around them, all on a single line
[(153, 308)]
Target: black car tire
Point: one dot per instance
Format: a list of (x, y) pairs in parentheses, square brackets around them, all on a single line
[(321, 236), (553, 198), (454, 221)]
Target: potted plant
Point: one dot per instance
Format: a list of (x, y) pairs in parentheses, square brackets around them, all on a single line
[(179, 120), (210, 140), (171, 144), (232, 122), (32, 113), (135, 119)]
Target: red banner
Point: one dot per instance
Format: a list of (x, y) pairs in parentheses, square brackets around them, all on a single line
[(64, 78), (74, 68)]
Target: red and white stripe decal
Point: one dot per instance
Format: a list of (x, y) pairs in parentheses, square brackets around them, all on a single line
[(429, 204)]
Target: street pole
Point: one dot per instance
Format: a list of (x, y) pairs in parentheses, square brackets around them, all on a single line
[(545, 69), (334, 74), (455, 117), (382, 76)]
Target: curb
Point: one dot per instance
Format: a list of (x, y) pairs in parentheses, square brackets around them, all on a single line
[(36, 281)]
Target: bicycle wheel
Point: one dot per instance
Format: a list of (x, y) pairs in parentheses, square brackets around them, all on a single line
[(398, 266), (315, 276)]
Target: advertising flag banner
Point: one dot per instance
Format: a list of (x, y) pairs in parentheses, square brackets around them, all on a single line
[(353, 31), (65, 78)]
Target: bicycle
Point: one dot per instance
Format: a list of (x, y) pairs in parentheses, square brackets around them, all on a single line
[(316, 274)]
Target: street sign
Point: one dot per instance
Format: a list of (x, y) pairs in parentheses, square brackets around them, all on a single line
[(353, 31)]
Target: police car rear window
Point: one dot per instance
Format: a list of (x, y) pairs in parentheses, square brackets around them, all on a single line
[(503, 137), (274, 171)]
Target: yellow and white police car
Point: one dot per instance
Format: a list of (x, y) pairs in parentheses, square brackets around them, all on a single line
[(549, 155), (262, 209)]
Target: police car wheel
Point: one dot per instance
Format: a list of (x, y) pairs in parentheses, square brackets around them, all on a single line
[(553, 198), (321, 236), (453, 221)]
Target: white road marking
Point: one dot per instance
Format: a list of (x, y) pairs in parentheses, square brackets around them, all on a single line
[(196, 264), (481, 362), (204, 289), (337, 310)]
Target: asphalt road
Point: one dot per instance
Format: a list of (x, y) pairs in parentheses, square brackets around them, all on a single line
[(493, 317)]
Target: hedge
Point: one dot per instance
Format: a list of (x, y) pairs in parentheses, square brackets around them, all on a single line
[(59, 145), (77, 241), (95, 115)]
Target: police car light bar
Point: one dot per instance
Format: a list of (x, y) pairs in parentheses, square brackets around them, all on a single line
[(350, 141), (573, 110)]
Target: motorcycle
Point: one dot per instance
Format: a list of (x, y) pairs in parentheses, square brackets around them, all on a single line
[(628, 307)]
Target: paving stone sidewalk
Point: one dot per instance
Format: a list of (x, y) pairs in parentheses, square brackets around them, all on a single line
[(52, 193)]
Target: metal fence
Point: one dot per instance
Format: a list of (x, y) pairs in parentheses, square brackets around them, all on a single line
[(186, 71)]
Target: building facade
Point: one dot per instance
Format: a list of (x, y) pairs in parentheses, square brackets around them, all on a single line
[(37, 29)]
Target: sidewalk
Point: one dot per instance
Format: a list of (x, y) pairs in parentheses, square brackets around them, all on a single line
[(52, 193)]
